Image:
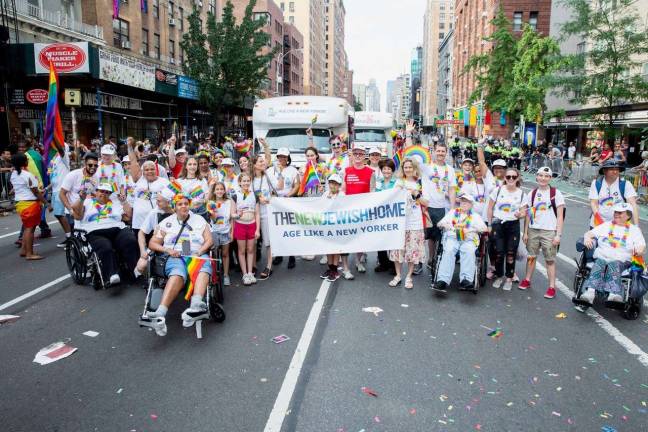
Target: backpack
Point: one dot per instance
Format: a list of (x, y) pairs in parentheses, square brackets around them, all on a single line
[(622, 187), (552, 199)]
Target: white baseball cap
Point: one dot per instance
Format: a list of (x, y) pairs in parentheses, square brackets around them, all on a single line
[(545, 170), (466, 197), (358, 146), (106, 187), (227, 161), (622, 207), (126, 159), (179, 151), (500, 163), (335, 178), (374, 150), (283, 151), (107, 149)]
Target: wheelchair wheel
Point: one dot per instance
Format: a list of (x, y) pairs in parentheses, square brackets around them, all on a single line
[(217, 277), (580, 276), (482, 268), (76, 261), (632, 309), (437, 260)]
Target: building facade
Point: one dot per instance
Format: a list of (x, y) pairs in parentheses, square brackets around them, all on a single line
[(309, 16), (293, 60), (391, 96), (416, 63), (372, 97), (402, 99), (444, 83), (438, 20), (334, 79), (360, 95)]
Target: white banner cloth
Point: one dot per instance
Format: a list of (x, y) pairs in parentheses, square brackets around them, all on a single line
[(352, 223)]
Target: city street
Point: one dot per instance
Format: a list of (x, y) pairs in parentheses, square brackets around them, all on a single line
[(426, 362)]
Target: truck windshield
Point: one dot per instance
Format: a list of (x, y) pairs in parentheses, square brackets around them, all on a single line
[(296, 140), (370, 135)]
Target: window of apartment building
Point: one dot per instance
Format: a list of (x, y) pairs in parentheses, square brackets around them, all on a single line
[(212, 7), (171, 9), (441, 35), (580, 48), (441, 26), (291, 19), (533, 20), (172, 50), (181, 56), (156, 9), (517, 21), (120, 32), (278, 27), (291, 7), (156, 45), (181, 18), (145, 42), (282, 5), (261, 15)]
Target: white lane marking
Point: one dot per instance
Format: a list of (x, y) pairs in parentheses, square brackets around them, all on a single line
[(54, 222), (34, 292), (625, 342), (282, 403)]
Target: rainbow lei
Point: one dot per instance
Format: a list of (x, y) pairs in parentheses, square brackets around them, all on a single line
[(334, 169), (461, 228), (613, 240), (437, 179), (461, 179), (103, 211), (113, 175)]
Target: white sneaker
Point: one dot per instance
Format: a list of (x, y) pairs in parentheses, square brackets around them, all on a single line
[(361, 268), (507, 285), (324, 260), (193, 314), (348, 275), (226, 281), (498, 282), (616, 298), (158, 324), (251, 278), (246, 279), (114, 279), (588, 296)]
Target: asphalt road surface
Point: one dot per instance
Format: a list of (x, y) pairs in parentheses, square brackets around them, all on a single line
[(428, 359)]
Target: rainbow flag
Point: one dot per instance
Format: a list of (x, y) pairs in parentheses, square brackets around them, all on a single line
[(637, 264), (243, 146), (196, 192), (398, 158), (193, 264), (53, 139), (310, 179), (531, 212), (496, 334), (175, 187), (598, 219), (314, 120), (418, 151), (461, 234)]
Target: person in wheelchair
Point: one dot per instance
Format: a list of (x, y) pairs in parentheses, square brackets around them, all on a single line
[(616, 242), (462, 227), (181, 234), (155, 216), (103, 220)]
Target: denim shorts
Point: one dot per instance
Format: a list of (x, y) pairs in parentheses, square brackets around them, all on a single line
[(221, 239), (176, 267), (57, 204)]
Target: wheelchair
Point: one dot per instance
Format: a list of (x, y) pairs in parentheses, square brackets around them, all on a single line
[(631, 307), (214, 296), (82, 263), (481, 265)]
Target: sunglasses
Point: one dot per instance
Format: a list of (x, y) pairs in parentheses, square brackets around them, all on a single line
[(509, 177), (336, 145), (92, 165)]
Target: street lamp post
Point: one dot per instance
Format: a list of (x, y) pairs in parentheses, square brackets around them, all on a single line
[(280, 62)]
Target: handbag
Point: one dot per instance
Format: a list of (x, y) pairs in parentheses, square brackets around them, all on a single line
[(159, 260), (639, 285)]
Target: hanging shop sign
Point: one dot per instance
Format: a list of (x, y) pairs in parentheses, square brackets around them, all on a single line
[(166, 77), (37, 96), (125, 70), (187, 88), (68, 57), (110, 101)]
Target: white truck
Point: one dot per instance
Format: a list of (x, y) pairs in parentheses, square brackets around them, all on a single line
[(283, 122), (373, 129)]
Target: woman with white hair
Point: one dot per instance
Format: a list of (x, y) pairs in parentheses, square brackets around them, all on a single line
[(147, 185)]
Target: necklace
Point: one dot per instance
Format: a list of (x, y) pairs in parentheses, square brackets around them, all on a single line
[(437, 179), (103, 211), (614, 241), (461, 228)]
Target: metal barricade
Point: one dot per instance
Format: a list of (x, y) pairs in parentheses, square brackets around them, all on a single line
[(639, 179), (6, 192)]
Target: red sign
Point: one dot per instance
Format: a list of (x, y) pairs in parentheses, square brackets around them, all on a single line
[(449, 122), (37, 96), (66, 57)]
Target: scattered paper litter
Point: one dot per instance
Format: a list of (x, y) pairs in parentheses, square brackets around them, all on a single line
[(372, 309), (280, 339), (91, 333), (369, 392), (561, 315), (6, 319), (53, 352), (403, 305)]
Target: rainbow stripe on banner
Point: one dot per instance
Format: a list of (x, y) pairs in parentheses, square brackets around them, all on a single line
[(418, 151), (310, 179), (193, 264), (637, 264), (53, 139)]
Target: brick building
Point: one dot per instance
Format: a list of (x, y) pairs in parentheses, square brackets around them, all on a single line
[(293, 60)]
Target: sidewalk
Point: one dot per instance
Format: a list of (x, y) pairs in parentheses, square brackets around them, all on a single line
[(576, 191)]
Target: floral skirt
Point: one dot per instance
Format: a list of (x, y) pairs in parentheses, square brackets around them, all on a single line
[(414, 251), (606, 276)]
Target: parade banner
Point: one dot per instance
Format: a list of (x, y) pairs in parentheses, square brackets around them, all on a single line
[(354, 223)]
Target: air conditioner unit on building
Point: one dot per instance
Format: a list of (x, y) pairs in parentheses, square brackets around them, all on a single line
[(125, 44), (171, 21)]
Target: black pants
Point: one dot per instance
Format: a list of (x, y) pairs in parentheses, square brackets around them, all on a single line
[(106, 242), (384, 261), (507, 240)]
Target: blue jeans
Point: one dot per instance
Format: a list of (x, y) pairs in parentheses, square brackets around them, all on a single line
[(467, 260)]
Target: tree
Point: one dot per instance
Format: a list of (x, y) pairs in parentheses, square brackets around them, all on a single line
[(357, 106), (604, 73), (226, 60), (493, 69), (535, 60)]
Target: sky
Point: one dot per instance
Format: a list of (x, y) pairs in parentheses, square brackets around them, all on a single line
[(380, 36)]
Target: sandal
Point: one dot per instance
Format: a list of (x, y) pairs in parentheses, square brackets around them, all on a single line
[(394, 282), (408, 283), (34, 257), (265, 274)]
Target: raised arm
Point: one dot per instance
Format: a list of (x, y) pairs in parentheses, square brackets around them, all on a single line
[(409, 131), (172, 160), (134, 166)]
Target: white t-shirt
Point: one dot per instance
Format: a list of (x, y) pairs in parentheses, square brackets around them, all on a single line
[(245, 203), (477, 224), (290, 176), (441, 179), (111, 173), (622, 252), (197, 190), (609, 196), (192, 233), (571, 152), (151, 221), (221, 222), (231, 184), (543, 216), (146, 198), (507, 203), (129, 189), (413, 214), (58, 169), (22, 184), (480, 193), (98, 217), (262, 188), (75, 181)]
